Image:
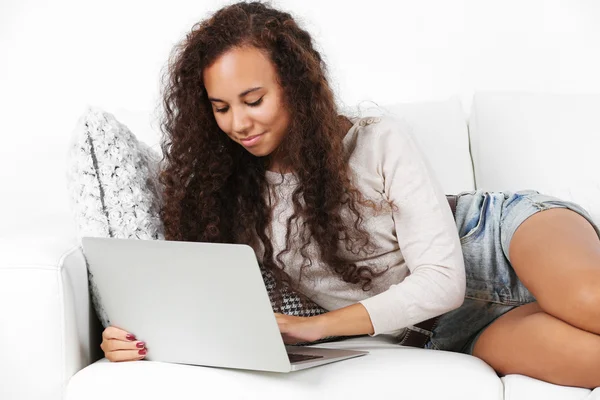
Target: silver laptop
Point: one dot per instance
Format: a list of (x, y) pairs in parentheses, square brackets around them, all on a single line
[(196, 303)]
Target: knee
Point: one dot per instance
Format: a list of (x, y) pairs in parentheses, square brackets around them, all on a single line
[(584, 299), (577, 303), (587, 298)]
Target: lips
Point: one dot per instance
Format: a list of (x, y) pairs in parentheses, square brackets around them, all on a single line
[(252, 140)]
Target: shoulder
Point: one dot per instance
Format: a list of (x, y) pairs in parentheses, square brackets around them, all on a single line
[(388, 133)]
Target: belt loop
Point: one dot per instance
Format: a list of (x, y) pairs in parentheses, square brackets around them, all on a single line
[(420, 336)]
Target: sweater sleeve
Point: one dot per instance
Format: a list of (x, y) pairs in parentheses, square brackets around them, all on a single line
[(426, 233)]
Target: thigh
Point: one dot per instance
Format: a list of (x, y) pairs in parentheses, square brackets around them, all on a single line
[(555, 251), (530, 342), (554, 248)]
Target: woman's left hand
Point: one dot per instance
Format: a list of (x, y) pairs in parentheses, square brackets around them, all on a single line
[(300, 329)]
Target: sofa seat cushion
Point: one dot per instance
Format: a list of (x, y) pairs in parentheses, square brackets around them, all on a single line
[(389, 371), (519, 387)]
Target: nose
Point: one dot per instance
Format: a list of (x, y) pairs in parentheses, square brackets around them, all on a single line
[(241, 122)]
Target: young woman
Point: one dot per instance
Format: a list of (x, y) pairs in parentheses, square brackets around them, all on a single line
[(348, 213)]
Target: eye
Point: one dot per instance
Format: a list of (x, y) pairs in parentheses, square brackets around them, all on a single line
[(221, 110), (256, 103)]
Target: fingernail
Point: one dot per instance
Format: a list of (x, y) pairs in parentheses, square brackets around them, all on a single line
[(143, 352), (140, 345), (130, 337)]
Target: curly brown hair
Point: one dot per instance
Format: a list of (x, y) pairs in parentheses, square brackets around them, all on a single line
[(214, 189)]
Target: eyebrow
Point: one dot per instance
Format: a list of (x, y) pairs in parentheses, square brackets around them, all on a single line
[(244, 93)]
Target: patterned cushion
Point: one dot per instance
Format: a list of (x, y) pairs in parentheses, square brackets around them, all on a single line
[(114, 192)]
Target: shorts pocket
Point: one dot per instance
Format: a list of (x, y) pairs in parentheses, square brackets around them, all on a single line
[(478, 223)]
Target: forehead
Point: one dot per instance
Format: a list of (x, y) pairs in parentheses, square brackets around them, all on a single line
[(237, 70)]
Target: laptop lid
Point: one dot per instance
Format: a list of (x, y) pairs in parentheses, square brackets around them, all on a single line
[(192, 303)]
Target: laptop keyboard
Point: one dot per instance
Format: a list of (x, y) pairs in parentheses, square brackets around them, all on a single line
[(301, 357)]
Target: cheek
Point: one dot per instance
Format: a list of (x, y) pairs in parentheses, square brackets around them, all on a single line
[(223, 122), (272, 114)]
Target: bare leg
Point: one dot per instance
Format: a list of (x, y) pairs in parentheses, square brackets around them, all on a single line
[(556, 254), (528, 341)]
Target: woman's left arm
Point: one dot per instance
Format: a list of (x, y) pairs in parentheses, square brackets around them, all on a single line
[(426, 234), (427, 237)]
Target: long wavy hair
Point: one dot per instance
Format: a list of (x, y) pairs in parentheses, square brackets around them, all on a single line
[(214, 190)]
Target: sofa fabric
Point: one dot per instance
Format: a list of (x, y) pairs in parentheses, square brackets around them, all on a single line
[(389, 371), (542, 141)]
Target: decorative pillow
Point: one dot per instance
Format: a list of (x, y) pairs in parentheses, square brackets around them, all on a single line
[(113, 185), (114, 192), (113, 180)]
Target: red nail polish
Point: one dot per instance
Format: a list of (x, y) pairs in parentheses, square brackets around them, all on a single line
[(143, 352), (140, 345), (130, 337)]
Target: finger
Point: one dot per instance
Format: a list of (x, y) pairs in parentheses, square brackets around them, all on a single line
[(287, 339), (126, 355), (284, 327), (281, 318), (112, 332), (116, 345)]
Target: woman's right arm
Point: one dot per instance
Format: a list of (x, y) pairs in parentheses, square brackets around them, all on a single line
[(119, 345)]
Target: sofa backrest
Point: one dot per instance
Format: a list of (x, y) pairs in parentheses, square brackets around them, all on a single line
[(542, 141), (440, 129)]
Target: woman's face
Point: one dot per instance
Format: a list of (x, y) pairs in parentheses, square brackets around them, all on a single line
[(247, 100)]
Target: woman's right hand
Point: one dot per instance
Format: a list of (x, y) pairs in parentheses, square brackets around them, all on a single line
[(119, 345)]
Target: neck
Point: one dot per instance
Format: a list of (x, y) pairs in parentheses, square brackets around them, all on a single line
[(275, 167), (276, 162)]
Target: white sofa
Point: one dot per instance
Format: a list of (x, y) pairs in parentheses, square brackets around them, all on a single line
[(49, 340)]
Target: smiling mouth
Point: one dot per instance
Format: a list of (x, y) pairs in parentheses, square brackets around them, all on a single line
[(252, 140)]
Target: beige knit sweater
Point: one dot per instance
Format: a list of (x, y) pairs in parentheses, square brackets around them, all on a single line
[(417, 240)]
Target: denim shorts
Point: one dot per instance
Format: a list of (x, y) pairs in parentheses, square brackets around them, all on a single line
[(486, 222)]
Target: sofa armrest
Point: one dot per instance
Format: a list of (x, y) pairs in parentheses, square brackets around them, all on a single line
[(48, 329)]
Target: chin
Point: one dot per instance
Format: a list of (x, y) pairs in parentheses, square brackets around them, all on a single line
[(259, 152)]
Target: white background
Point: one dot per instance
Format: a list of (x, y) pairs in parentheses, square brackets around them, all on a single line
[(59, 56)]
